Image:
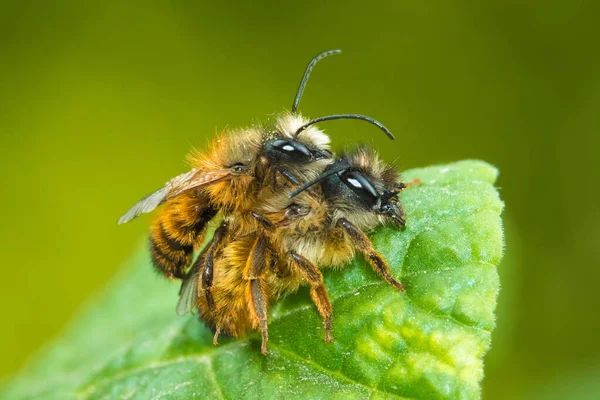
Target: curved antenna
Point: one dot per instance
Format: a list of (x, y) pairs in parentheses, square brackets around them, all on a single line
[(309, 68), (346, 116), (317, 180)]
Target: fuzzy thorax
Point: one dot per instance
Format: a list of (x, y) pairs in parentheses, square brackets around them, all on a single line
[(313, 137), (229, 148)]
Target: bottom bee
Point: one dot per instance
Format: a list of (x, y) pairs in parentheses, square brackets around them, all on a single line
[(317, 226)]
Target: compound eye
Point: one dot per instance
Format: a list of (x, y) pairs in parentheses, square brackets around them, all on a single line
[(361, 186), (296, 210), (238, 168), (295, 150)]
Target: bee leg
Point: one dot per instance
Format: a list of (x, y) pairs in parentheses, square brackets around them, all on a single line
[(264, 222), (208, 269), (364, 245), (271, 254), (289, 176), (258, 301), (311, 273), (216, 336), (274, 262)]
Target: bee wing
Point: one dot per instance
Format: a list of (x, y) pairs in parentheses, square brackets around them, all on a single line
[(173, 188), (188, 293)]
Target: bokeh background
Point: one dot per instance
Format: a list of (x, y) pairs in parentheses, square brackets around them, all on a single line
[(100, 101)]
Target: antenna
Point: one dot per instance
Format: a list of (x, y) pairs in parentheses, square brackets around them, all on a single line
[(307, 74), (317, 180), (346, 116)]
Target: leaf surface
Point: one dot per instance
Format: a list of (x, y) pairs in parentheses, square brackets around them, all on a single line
[(425, 343)]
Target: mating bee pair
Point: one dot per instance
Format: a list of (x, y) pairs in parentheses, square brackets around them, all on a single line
[(288, 208)]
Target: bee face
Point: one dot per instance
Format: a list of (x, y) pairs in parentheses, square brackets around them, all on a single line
[(296, 156), (234, 154), (295, 211), (364, 187), (303, 214), (290, 215)]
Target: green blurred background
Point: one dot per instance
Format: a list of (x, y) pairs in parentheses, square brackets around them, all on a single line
[(100, 101)]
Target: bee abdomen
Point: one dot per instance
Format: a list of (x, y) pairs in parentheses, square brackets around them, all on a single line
[(169, 255), (177, 231)]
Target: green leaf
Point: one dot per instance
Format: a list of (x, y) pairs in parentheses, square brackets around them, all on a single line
[(425, 343)]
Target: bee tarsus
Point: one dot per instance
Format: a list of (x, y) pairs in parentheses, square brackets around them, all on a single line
[(253, 273), (364, 245), (318, 293), (216, 337)]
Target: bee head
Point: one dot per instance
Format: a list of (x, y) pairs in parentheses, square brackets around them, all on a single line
[(296, 157), (284, 146), (304, 213), (231, 156), (362, 188), (296, 145)]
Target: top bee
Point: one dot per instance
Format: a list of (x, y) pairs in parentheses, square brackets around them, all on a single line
[(232, 174)]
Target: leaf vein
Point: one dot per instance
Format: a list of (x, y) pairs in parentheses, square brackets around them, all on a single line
[(337, 374)]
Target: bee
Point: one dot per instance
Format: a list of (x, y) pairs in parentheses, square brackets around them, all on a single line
[(228, 180), (301, 231)]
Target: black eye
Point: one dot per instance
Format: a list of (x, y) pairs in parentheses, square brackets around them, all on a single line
[(295, 210), (361, 186), (295, 150), (238, 168)]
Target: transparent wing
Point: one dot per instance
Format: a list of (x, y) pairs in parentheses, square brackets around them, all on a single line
[(188, 293), (187, 296), (190, 289), (176, 186)]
